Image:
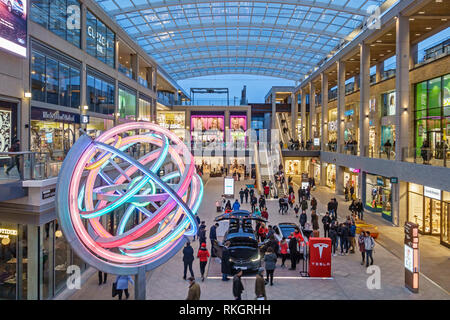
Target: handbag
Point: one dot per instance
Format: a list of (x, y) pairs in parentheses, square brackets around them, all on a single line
[(114, 289)]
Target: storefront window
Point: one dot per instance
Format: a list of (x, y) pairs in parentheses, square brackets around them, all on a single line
[(57, 16), (445, 230), (145, 109), (97, 126), (331, 176), (99, 40), (238, 127), (62, 259), (293, 167), (207, 129), (379, 195), (127, 105), (174, 121), (54, 82), (8, 261)]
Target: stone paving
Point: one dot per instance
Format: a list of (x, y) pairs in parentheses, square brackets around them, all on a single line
[(349, 277)]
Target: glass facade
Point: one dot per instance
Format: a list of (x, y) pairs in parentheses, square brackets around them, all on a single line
[(54, 81), (429, 208), (127, 105), (100, 95), (58, 17), (432, 116), (100, 40), (145, 109)]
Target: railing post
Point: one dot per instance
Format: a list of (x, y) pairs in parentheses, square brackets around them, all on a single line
[(32, 165)]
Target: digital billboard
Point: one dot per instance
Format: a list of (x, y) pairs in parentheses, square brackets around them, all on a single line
[(207, 128), (13, 26)]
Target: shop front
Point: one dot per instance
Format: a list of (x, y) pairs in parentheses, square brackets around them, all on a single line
[(331, 176), (208, 129), (97, 126), (332, 130), (214, 166), (429, 208), (238, 128), (378, 195), (53, 132), (351, 180), (174, 121), (293, 167), (315, 164)]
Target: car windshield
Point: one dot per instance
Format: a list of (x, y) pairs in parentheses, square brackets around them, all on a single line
[(287, 230)]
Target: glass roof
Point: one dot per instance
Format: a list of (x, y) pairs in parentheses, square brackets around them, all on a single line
[(284, 39)]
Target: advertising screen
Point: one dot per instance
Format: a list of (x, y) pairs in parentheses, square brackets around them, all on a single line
[(207, 128), (13, 26), (409, 256), (238, 126), (229, 186)]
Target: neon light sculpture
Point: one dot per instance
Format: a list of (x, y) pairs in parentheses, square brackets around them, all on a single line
[(99, 177)]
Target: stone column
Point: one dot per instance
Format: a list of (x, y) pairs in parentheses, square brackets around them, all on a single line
[(339, 181), (294, 115), (364, 98), (324, 124), (323, 174), (303, 115), (312, 110), (414, 55), (340, 104), (402, 87), (134, 66)]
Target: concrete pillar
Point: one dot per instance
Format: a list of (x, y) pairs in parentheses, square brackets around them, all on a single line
[(148, 77), (364, 98), (339, 180), (357, 83), (294, 115), (402, 87), (413, 55), (33, 263), (323, 174), (303, 114), (312, 110), (83, 10), (134, 66), (140, 284), (324, 124), (379, 71), (274, 111), (340, 104)]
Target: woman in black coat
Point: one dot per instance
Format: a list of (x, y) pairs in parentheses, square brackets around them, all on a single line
[(293, 252)]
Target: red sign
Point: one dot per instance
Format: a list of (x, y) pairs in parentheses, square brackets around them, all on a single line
[(320, 257)]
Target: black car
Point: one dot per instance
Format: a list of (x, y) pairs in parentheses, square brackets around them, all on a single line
[(244, 249)]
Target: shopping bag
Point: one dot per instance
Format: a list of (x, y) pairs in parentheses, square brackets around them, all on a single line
[(114, 289)]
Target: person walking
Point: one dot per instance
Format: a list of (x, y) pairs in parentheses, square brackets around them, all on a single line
[(241, 195), (225, 262), (265, 214), (315, 223), (262, 202), (188, 258), (202, 234), (254, 202), (203, 256), (360, 209), (326, 221), (351, 237), (293, 249), (369, 244), (122, 285), (296, 210), (330, 208), (194, 290), (303, 219), (352, 208), (238, 287), (251, 192), (283, 251), (304, 204), (343, 238), (270, 262), (236, 205), (260, 285), (197, 218), (246, 194), (266, 191), (101, 275), (313, 204), (213, 238), (361, 238), (333, 235)]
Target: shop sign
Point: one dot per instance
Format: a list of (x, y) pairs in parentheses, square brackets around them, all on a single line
[(54, 115), (5, 233), (317, 141), (84, 119), (394, 180), (432, 193), (349, 113), (354, 170), (48, 193), (380, 181)]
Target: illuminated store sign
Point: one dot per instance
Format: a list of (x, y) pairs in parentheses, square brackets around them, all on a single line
[(432, 193), (5, 233), (13, 26)]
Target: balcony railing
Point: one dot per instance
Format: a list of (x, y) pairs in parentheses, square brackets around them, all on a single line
[(126, 71), (434, 52), (143, 82), (428, 156)]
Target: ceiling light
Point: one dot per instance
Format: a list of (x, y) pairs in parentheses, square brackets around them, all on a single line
[(381, 55), (379, 41), (421, 12), (428, 28), (389, 51), (443, 19), (372, 45), (389, 34), (417, 34), (411, 19)]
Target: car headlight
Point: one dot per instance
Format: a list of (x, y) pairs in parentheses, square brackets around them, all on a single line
[(257, 258)]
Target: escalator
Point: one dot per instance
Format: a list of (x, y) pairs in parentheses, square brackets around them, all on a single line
[(285, 128), (268, 162)]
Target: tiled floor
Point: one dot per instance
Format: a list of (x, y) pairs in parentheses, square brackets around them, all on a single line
[(349, 277)]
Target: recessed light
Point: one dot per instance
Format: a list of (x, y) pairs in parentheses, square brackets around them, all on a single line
[(372, 45), (381, 54), (389, 34), (411, 19), (443, 19), (417, 34), (428, 28), (421, 12), (379, 41), (389, 51)]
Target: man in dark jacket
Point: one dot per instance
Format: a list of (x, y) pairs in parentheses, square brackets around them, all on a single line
[(334, 238), (197, 218), (213, 238), (188, 258), (313, 204), (330, 207), (246, 195), (335, 207), (225, 265), (343, 233), (202, 234), (241, 195), (238, 287), (326, 220), (304, 204), (303, 219), (293, 252)]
